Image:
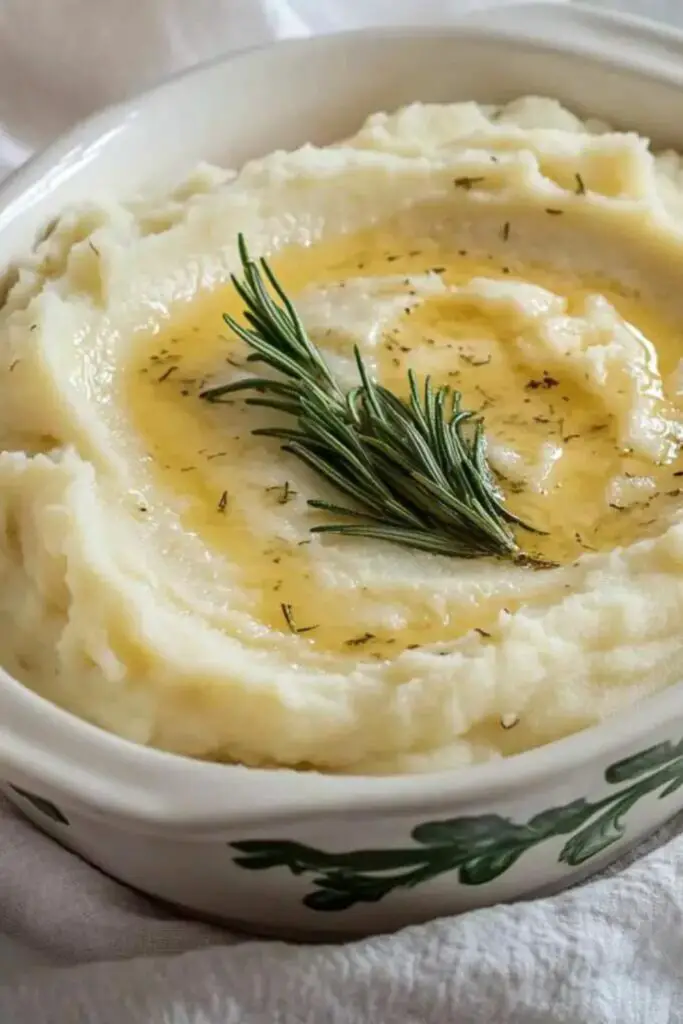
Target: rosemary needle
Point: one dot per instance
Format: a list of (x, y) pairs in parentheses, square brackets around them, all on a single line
[(414, 471)]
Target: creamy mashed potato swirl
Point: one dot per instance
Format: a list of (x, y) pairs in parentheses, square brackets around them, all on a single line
[(149, 542)]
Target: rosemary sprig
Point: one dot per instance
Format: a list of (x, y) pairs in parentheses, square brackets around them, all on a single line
[(415, 471)]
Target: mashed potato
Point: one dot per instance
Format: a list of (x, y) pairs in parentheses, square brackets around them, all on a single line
[(158, 573)]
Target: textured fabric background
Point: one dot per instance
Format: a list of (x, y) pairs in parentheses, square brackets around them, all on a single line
[(77, 947)]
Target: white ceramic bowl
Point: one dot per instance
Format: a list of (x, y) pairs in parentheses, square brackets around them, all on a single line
[(300, 853)]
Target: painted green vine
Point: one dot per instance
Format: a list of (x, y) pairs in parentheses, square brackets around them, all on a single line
[(43, 806), (479, 848)]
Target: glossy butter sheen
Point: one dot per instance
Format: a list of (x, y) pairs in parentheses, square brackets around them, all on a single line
[(551, 428)]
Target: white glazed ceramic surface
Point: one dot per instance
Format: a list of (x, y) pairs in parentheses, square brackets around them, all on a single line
[(300, 853)]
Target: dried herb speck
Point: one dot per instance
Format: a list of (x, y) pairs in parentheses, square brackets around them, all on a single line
[(531, 562), (467, 182), (546, 381), (291, 624), (287, 494), (358, 641)]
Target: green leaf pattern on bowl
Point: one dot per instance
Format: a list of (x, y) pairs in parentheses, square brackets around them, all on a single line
[(480, 848), (45, 807)]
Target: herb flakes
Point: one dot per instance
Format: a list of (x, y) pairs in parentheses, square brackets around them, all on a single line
[(546, 381), (358, 641), (466, 182), (287, 494), (288, 615)]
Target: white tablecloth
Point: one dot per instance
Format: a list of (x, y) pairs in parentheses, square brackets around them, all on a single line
[(77, 947)]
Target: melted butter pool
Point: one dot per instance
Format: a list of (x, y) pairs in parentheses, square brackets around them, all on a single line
[(554, 426)]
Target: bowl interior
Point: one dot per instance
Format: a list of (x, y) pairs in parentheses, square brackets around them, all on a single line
[(320, 90), (314, 90)]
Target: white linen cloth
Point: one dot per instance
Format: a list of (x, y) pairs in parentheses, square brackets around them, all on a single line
[(77, 947)]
